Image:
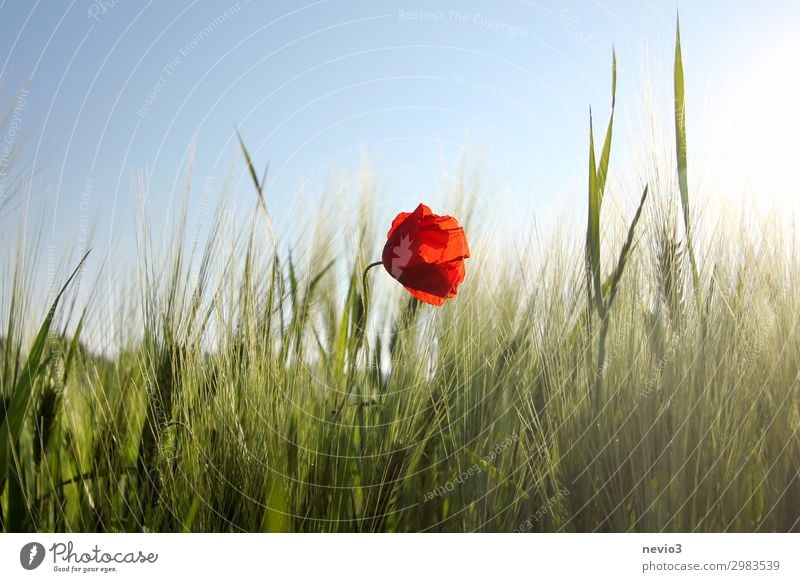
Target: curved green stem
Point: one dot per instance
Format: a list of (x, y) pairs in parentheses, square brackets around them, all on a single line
[(360, 333), (365, 289)]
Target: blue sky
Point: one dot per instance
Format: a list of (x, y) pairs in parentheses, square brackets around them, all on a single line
[(113, 87)]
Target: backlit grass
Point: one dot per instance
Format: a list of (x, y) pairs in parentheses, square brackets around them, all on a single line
[(648, 385)]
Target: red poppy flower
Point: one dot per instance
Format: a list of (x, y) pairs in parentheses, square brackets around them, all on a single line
[(426, 253)]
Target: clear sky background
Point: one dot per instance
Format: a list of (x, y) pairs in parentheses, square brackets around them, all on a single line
[(115, 87)]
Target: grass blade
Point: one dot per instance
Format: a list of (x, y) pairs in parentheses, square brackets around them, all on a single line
[(623, 255), (259, 184), (20, 398), (602, 169), (680, 150), (593, 229), (73, 349)]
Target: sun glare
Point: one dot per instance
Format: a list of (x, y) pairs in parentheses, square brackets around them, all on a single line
[(762, 128)]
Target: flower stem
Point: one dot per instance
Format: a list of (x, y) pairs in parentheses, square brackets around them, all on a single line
[(361, 327), (365, 288), (359, 334)]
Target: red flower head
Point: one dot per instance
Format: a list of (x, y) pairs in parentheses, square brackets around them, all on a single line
[(426, 253)]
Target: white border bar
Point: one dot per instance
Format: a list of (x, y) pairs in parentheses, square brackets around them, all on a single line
[(400, 557)]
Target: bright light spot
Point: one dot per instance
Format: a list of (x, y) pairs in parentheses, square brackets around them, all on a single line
[(760, 132)]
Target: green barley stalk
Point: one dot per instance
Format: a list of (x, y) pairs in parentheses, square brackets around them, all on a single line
[(683, 175), (602, 296)]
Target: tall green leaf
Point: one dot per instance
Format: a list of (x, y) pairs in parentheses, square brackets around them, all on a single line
[(598, 174), (20, 397), (680, 150), (259, 184), (602, 169), (593, 228)]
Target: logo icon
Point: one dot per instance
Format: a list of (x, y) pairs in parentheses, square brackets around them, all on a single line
[(402, 255), (31, 555)]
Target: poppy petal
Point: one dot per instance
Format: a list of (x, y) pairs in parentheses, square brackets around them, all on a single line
[(419, 212), (426, 297), (425, 252)]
